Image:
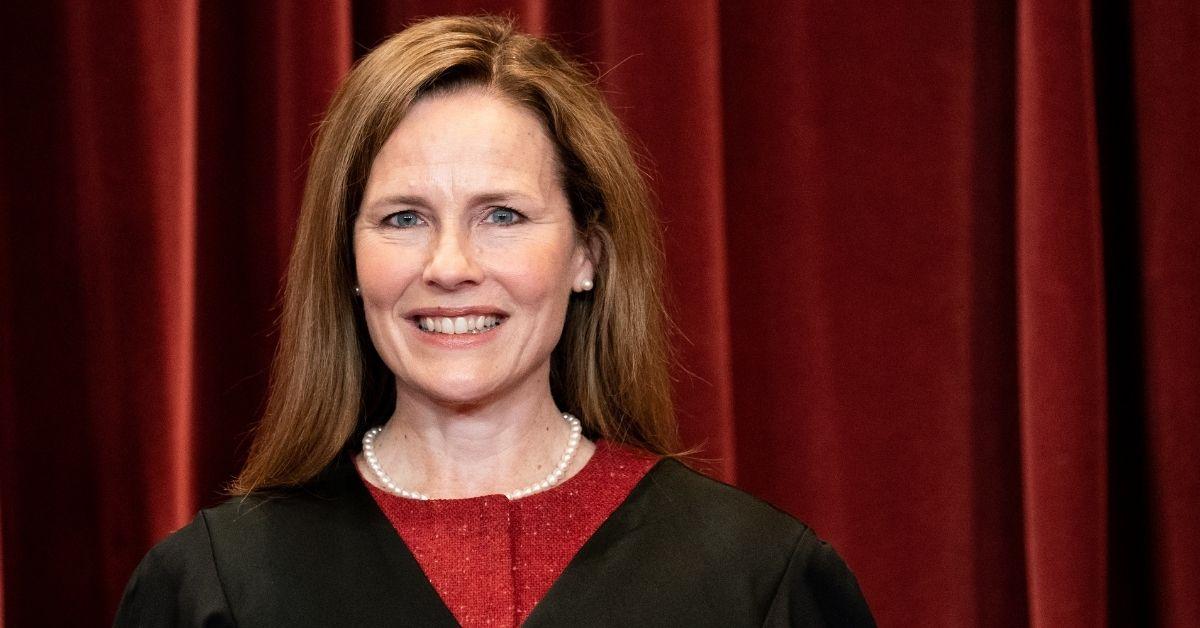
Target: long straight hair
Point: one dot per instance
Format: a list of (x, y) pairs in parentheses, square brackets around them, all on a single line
[(610, 367)]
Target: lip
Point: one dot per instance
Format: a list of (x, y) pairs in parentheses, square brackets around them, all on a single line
[(451, 312)]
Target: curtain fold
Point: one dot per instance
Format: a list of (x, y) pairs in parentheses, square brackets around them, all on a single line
[(934, 270), (1061, 316), (267, 72), (642, 73), (1166, 79)]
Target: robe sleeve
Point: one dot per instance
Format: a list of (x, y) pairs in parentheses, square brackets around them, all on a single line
[(176, 584), (818, 589)]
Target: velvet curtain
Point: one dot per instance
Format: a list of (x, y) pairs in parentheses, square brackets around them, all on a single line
[(935, 268)]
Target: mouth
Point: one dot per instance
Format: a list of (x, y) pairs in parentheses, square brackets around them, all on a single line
[(458, 325), (446, 322)]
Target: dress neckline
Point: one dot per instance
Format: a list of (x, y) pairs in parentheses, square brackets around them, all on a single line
[(604, 448), (492, 559)]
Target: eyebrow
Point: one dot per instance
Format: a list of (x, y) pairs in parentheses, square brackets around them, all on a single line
[(417, 200)]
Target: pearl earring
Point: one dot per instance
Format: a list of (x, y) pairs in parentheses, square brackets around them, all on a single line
[(357, 291), (586, 285)]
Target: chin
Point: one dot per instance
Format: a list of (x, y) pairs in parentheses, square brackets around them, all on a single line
[(461, 393)]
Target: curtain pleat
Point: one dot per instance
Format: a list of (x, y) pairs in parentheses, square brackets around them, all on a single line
[(131, 179), (1061, 318), (267, 72), (873, 219), (678, 126), (934, 271), (1166, 80)]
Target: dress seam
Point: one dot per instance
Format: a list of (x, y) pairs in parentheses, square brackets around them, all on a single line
[(212, 554)]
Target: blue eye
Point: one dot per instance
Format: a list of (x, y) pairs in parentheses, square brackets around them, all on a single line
[(503, 216), (403, 220)]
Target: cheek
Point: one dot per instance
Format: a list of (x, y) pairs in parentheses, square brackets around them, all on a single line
[(533, 273), (383, 270)]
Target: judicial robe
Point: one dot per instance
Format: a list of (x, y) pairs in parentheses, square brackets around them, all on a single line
[(681, 550)]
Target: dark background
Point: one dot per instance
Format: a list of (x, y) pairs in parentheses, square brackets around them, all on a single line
[(935, 265)]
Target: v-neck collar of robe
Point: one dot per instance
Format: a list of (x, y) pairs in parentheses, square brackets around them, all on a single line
[(492, 559), (409, 590)]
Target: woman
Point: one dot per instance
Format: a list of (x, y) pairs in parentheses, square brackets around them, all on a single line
[(469, 419)]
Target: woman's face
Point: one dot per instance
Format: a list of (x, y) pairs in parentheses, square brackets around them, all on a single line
[(466, 250)]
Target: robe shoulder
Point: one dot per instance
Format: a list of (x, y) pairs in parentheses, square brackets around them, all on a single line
[(318, 555), (716, 555), (176, 584)]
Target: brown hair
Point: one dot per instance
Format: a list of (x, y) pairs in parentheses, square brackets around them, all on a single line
[(610, 367)]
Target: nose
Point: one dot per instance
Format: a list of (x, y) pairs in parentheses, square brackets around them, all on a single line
[(451, 262)]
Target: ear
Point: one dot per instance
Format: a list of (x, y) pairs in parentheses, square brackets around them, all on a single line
[(587, 253)]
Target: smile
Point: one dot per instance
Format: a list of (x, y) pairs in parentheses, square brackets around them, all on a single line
[(459, 324)]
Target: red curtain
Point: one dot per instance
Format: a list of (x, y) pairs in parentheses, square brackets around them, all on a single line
[(936, 270)]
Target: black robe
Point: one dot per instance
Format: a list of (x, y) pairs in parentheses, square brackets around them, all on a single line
[(681, 550)]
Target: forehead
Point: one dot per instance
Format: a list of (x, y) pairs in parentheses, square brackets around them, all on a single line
[(467, 137)]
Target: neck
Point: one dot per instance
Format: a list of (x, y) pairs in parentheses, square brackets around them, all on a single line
[(466, 450)]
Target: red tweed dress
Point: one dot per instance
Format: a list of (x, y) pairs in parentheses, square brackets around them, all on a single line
[(492, 559)]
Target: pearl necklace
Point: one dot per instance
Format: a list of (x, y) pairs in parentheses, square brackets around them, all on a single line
[(368, 448)]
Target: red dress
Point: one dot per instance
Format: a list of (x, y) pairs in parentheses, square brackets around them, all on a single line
[(492, 559)]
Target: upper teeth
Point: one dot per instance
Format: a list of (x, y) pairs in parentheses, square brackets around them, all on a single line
[(459, 324)]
